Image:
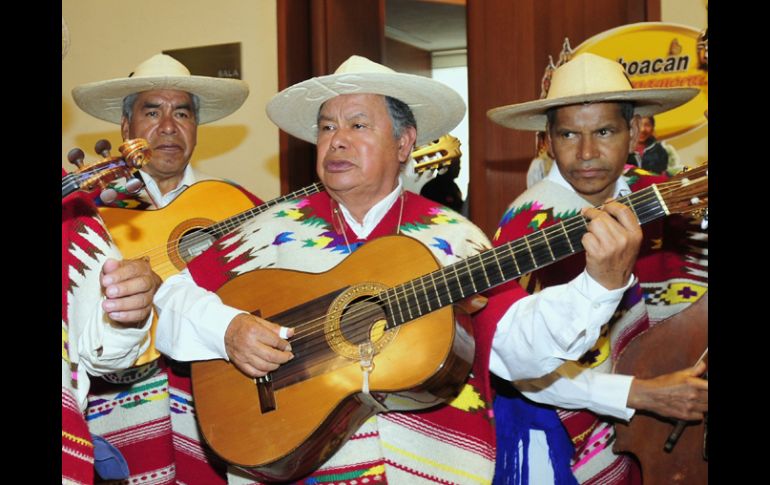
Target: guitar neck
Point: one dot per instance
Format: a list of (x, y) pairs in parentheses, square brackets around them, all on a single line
[(69, 184), (486, 270), (224, 227)]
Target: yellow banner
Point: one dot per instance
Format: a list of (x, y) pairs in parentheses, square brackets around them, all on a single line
[(658, 55)]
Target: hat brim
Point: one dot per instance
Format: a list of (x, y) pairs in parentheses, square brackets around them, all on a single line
[(530, 116), (437, 108), (218, 97)]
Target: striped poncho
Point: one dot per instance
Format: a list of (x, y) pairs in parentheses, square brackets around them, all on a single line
[(85, 247)]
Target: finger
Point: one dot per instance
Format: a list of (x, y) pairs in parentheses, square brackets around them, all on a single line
[(269, 354), (130, 317), (134, 286), (623, 215), (125, 270), (110, 265), (139, 301), (281, 332)]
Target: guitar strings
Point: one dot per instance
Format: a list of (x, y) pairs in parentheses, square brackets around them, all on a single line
[(226, 226), (541, 248)]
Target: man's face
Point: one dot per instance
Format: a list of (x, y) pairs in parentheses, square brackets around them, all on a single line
[(166, 119), (590, 144), (645, 128), (357, 154)]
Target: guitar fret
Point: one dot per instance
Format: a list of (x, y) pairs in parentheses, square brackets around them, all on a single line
[(406, 303), (470, 275), (459, 282), (398, 304), (435, 288), (425, 293), (513, 257), (531, 253), (416, 299), (566, 235), (483, 267), (446, 284), (389, 301), (548, 244)]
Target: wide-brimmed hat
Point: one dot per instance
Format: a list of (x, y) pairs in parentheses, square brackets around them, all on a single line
[(218, 96), (437, 108), (589, 78)]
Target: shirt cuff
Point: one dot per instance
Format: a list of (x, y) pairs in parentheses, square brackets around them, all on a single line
[(609, 392), (115, 347), (220, 316), (600, 304)]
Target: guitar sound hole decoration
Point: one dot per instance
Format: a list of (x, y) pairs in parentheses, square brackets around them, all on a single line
[(194, 243), (188, 240), (354, 318)]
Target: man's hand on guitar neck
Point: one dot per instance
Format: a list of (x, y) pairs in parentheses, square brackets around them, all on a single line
[(129, 286), (255, 346), (612, 244)]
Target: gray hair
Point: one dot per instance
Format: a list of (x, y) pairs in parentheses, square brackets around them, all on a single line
[(130, 100), (401, 115)]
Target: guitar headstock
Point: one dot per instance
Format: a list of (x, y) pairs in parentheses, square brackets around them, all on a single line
[(134, 154), (437, 154), (687, 191)]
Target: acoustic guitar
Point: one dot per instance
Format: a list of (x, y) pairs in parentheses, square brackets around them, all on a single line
[(386, 308), (172, 236)]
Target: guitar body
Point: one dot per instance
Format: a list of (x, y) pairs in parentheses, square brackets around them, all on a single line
[(160, 234), (417, 365), (200, 205), (675, 343)]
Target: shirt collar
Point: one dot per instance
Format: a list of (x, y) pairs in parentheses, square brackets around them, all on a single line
[(188, 178), (373, 216)]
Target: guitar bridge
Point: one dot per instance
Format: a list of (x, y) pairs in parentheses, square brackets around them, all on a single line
[(266, 394)]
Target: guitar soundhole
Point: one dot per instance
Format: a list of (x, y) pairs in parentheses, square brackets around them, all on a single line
[(194, 242), (355, 317), (362, 320)]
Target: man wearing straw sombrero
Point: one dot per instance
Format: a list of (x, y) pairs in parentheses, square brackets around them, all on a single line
[(591, 120), (106, 304), (365, 119), (162, 102)]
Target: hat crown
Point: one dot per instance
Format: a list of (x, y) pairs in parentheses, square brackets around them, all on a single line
[(160, 65), (357, 65), (587, 74)]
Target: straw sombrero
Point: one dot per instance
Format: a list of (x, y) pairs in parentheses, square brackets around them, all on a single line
[(589, 78), (437, 108), (218, 96)]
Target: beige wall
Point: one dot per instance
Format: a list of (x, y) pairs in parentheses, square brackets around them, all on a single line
[(109, 38), (693, 146)]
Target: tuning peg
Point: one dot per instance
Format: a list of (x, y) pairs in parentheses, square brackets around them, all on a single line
[(76, 156), (108, 195), (103, 147)]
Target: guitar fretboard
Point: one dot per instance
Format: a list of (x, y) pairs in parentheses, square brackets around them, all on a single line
[(486, 270)]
